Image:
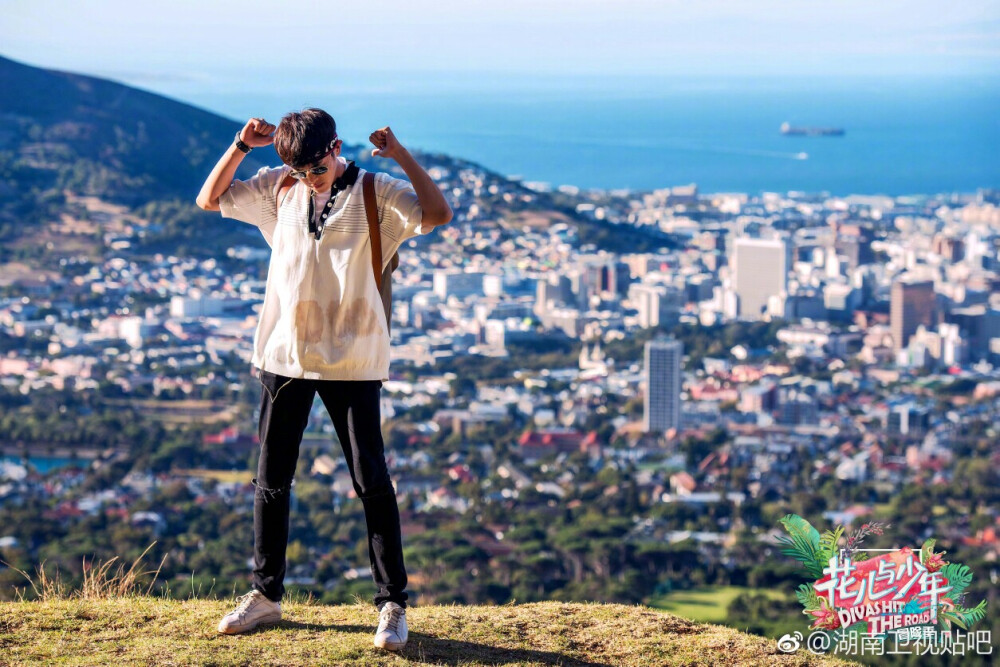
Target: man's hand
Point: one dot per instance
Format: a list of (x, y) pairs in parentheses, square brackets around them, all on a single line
[(434, 207), (257, 132), (386, 144)]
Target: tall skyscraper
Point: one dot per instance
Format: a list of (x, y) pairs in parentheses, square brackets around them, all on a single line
[(662, 403), (912, 304), (760, 271)]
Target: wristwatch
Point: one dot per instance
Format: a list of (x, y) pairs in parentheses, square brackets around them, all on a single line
[(240, 145)]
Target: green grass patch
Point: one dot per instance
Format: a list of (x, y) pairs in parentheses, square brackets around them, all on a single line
[(709, 604)]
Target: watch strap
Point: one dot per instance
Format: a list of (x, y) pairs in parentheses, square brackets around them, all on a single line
[(240, 145)]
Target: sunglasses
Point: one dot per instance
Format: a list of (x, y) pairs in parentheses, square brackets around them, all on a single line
[(299, 174), (315, 171)]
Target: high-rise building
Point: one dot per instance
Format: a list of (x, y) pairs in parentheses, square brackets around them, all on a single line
[(617, 279), (980, 324), (551, 291), (662, 403), (796, 407), (458, 283), (912, 304), (657, 305), (699, 287), (855, 243), (760, 271), (907, 418)]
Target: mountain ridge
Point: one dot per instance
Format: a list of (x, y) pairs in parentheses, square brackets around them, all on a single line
[(138, 138), (65, 135)]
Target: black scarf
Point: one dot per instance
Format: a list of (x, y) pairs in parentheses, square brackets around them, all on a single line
[(343, 182)]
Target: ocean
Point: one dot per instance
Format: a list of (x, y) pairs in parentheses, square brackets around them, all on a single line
[(902, 136)]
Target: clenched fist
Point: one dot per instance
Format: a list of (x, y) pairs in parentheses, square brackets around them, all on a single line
[(257, 132), (386, 144)]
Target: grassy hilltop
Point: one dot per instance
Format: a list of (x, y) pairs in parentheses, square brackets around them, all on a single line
[(155, 631)]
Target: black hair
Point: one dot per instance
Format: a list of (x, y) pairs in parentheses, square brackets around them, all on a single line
[(303, 138)]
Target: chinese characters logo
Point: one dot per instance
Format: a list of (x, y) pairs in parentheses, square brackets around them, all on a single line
[(859, 599)]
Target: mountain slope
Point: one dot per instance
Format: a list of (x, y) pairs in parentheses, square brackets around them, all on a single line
[(99, 137), (64, 137)]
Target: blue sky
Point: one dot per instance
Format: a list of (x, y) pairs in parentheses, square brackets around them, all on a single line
[(182, 39)]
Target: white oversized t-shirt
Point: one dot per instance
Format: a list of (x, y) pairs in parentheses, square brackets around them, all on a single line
[(322, 316)]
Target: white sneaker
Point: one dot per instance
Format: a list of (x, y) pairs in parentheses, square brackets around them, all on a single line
[(254, 609), (392, 632)]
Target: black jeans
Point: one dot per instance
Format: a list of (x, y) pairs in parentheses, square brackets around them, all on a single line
[(354, 408)]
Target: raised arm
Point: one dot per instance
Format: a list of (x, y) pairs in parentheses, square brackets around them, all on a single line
[(256, 133), (432, 202)]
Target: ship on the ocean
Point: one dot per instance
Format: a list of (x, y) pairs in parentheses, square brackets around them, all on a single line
[(790, 130)]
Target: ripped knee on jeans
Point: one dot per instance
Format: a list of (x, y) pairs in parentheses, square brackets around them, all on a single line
[(267, 494), (378, 491)]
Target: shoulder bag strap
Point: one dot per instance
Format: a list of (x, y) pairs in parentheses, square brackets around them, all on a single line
[(371, 211)]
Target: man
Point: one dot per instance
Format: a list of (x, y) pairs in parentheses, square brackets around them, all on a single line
[(323, 330)]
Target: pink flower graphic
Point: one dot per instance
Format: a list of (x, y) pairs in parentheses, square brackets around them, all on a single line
[(825, 617), (935, 563)]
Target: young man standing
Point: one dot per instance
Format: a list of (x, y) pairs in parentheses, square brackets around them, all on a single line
[(322, 329)]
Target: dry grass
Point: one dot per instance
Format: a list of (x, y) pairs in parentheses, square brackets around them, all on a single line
[(155, 631), (102, 580), (112, 619)]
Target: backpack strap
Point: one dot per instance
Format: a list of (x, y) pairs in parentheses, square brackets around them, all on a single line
[(374, 232)]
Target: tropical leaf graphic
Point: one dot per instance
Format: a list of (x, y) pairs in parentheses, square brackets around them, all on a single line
[(802, 543), (946, 617), (807, 597), (974, 615), (959, 577), (966, 618), (828, 543)]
